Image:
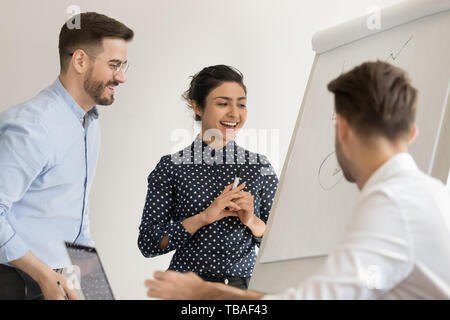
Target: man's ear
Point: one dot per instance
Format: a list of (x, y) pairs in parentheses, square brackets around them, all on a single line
[(79, 61), (414, 133), (196, 108), (342, 129)]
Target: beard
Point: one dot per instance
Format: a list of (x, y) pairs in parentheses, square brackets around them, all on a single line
[(344, 163), (95, 89)]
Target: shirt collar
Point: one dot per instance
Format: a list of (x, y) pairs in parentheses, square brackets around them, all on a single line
[(229, 146), (400, 162), (70, 101), (93, 112)]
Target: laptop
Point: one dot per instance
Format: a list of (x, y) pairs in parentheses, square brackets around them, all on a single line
[(86, 274)]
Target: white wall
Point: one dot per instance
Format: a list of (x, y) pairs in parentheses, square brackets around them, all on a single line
[(269, 41)]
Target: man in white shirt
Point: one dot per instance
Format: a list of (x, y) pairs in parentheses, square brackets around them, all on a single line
[(397, 245)]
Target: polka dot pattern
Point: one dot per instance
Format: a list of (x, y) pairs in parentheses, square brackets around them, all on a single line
[(185, 184)]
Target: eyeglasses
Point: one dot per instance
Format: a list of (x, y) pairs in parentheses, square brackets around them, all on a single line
[(115, 65)]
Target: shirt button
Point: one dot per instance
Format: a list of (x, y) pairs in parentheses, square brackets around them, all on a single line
[(226, 281)]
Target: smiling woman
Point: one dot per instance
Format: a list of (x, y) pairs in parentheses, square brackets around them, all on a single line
[(218, 96), (191, 206)]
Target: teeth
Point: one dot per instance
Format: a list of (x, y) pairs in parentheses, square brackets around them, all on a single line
[(230, 124)]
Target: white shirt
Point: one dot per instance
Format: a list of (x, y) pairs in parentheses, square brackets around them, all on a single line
[(397, 244)]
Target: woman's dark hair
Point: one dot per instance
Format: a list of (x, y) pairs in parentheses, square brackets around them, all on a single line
[(207, 80), (93, 28)]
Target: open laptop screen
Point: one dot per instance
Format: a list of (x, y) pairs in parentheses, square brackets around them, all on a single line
[(87, 274)]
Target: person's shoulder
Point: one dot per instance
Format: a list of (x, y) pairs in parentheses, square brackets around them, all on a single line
[(410, 184), (414, 193), (184, 156), (263, 159), (34, 111), (252, 157), (162, 168), (167, 162), (259, 160), (430, 190)]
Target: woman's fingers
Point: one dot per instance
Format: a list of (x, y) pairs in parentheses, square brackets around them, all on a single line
[(233, 196), (225, 191), (231, 205), (239, 188), (228, 189), (228, 213), (242, 202)]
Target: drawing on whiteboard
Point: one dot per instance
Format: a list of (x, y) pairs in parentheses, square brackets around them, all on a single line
[(330, 173), (395, 56), (343, 66)]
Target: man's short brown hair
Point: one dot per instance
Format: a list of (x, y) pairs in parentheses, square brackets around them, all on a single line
[(93, 28), (376, 98)]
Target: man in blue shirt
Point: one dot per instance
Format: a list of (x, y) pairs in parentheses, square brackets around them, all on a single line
[(48, 154)]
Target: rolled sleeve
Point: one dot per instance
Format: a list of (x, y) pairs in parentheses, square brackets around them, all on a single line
[(177, 234), (157, 219), (14, 247), (23, 149)]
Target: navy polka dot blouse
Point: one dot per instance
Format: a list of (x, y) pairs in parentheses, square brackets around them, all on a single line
[(185, 184)]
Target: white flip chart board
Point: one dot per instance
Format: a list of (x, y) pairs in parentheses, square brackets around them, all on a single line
[(314, 202)]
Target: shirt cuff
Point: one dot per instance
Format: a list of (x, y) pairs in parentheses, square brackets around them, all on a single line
[(15, 248), (87, 242), (178, 234), (257, 241)]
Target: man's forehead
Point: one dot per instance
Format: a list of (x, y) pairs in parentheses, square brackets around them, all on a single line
[(114, 49)]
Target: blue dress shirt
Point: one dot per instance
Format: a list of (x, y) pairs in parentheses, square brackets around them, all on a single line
[(47, 164), (185, 184)]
